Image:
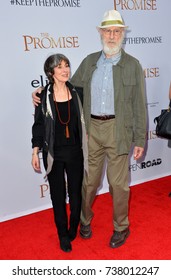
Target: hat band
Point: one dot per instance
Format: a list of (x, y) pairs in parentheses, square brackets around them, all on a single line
[(110, 22)]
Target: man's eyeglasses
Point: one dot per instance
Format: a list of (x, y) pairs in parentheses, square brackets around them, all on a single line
[(115, 32)]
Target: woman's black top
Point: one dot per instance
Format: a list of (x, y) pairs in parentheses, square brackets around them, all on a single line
[(66, 146)]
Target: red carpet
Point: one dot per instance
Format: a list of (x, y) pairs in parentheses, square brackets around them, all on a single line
[(34, 236)]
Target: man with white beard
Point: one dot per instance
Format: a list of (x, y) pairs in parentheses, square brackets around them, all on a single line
[(115, 118)]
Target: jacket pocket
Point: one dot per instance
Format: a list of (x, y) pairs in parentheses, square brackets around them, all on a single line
[(129, 86)]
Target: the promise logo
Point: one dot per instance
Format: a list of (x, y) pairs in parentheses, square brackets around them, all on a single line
[(45, 41), (135, 5)]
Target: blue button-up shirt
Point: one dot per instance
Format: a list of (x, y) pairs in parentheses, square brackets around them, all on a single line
[(102, 90)]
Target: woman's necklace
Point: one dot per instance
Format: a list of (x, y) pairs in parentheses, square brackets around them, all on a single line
[(62, 122)]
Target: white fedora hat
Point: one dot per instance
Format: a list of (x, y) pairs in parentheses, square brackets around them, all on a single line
[(112, 18)]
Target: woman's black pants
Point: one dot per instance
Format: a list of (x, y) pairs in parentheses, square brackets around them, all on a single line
[(66, 175)]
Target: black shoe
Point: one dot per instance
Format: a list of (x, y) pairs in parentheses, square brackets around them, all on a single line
[(118, 238), (65, 244), (85, 231)]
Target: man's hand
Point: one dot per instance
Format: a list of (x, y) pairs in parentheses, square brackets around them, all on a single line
[(36, 99), (138, 152)]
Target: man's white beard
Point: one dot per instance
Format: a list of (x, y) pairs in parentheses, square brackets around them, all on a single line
[(111, 51), (114, 50)]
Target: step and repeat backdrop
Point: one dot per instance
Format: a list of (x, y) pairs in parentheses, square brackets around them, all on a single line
[(31, 30)]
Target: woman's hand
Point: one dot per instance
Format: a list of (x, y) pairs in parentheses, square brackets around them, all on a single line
[(36, 162)]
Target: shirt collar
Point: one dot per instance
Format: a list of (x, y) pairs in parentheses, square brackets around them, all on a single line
[(114, 59)]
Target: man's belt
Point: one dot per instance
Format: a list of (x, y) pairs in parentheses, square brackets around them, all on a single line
[(103, 118)]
